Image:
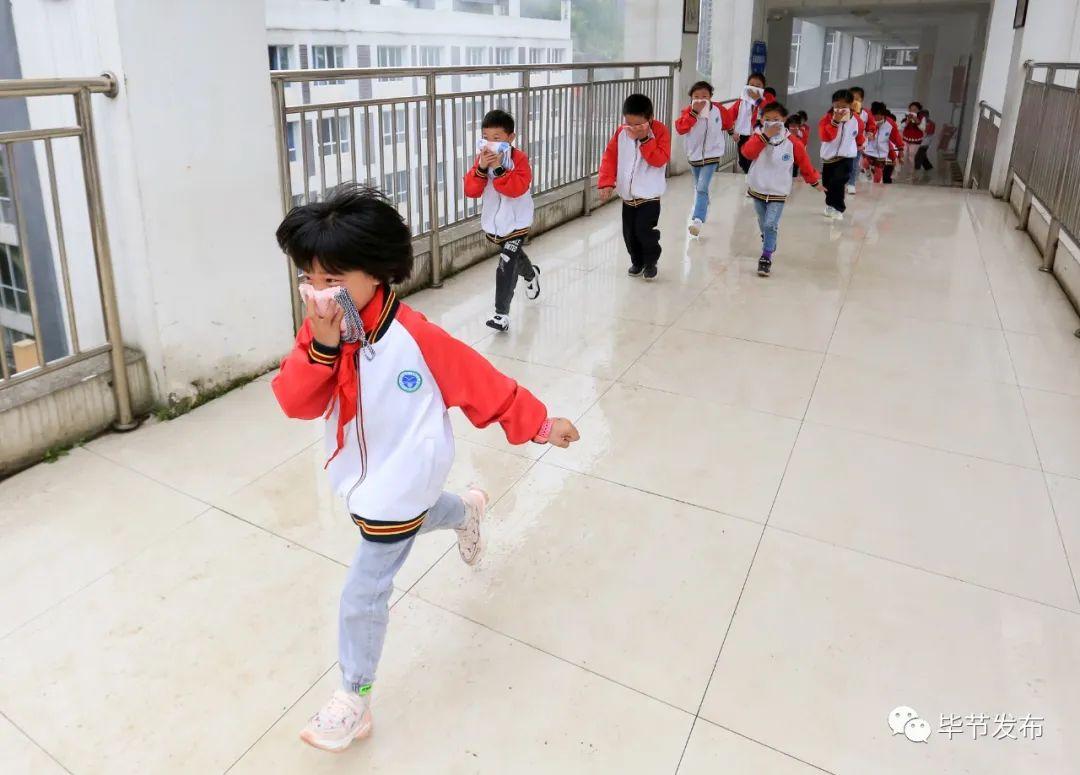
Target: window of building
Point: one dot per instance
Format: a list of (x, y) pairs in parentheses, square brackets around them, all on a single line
[(332, 134), (327, 56), (476, 55), (438, 119), (7, 207), (905, 58), (497, 7), (555, 55), (793, 66), (829, 56), (13, 289), (504, 55), (541, 9), (395, 186), (390, 56), (536, 56), (291, 130), (280, 57), (430, 56), (393, 128)]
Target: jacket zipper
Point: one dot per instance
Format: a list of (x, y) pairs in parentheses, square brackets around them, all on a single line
[(358, 423)]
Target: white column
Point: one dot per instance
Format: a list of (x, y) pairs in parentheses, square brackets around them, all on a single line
[(188, 171), (778, 63)]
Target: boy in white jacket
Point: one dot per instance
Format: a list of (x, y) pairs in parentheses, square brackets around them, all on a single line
[(502, 177)]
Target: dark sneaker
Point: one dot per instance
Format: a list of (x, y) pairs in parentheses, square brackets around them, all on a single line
[(649, 273), (763, 266), (532, 287), (499, 322), (635, 271)]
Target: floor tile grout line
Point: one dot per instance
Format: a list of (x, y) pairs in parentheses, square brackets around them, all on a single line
[(765, 525), (278, 720), (1027, 418), (765, 745), (921, 569), (552, 655), (36, 744)]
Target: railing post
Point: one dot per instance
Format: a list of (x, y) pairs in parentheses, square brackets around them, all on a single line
[(99, 234), (1025, 209), (285, 187), (590, 109), (669, 114), (433, 189), (527, 102)]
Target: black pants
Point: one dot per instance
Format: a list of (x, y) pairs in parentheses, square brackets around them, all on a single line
[(744, 163), (835, 175), (922, 161), (513, 263), (640, 232), (886, 175)]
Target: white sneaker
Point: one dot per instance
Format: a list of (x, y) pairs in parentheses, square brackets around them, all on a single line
[(499, 323), (829, 212), (532, 287), (470, 542), (837, 215), (346, 717), (695, 227), (849, 188)]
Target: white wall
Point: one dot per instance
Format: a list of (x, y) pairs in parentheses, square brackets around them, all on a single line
[(812, 49), (189, 174), (731, 38)]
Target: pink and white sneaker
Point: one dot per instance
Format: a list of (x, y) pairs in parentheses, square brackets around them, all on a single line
[(470, 542), (346, 717)]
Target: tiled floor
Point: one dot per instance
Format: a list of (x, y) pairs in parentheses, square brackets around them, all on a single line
[(798, 502)]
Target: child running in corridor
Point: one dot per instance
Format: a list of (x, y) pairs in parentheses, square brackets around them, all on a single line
[(384, 378), (773, 151), (501, 176), (842, 136), (634, 165), (702, 124)]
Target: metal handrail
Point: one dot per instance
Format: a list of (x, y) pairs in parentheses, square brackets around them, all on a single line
[(562, 125), (984, 147), (80, 90)]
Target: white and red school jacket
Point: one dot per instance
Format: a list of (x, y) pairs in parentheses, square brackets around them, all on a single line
[(388, 434), (636, 169), (703, 133), (506, 208), (879, 142), (769, 178), (742, 116), (840, 140), (928, 137)]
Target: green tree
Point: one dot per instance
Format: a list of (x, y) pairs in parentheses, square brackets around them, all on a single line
[(597, 30)]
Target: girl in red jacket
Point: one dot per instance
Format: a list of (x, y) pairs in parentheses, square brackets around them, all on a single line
[(383, 377), (702, 125)]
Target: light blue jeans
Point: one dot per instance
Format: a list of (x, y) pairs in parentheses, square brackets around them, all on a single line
[(365, 601), (853, 178), (702, 179), (768, 218)]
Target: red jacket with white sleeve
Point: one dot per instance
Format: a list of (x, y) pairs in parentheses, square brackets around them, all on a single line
[(388, 434), (840, 140), (703, 132), (636, 169), (769, 178), (879, 142), (507, 207)]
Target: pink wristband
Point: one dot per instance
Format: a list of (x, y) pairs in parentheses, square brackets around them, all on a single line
[(545, 432)]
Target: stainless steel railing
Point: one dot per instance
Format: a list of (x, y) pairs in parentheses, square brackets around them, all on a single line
[(412, 131), (985, 146), (1046, 149), (57, 295)]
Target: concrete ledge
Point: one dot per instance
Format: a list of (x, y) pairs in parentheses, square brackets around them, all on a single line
[(64, 407), (1067, 269)]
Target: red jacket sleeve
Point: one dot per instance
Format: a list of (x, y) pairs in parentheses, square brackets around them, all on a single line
[(515, 182), (827, 129), (468, 380), (727, 115), (860, 139), (871, 124), (475, 181), (686, 120), (303, 388), (657, 150), (802, 160), (609, 163), (894, 136), (753, 147)]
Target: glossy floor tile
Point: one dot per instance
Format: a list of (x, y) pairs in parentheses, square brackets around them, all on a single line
[(797, 503), (460, 698), (837, 640)]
